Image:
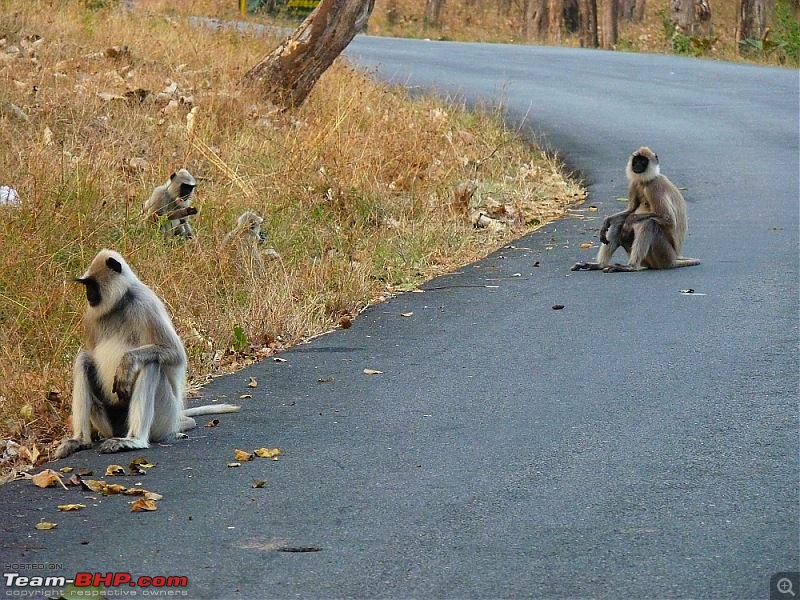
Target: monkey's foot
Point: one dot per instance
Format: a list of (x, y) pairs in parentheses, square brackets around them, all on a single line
[(586, 266), (112, 445), (69, 446), (620, 269)]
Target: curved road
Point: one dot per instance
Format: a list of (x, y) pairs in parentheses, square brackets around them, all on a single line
[(639, 443)]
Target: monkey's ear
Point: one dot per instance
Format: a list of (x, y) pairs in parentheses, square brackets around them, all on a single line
[(171, 177), (113, 264)]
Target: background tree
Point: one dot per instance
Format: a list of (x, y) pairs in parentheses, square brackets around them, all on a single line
[(290, 71), (433, 13), (555, 14), (751, 21), (587, 23), (691, 17), (609, 32), (534, 20), (632, 10)]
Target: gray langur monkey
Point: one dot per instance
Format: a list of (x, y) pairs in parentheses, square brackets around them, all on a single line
[(173, 200), (244, 242), (130, 376), (248, 228), (651, 229)]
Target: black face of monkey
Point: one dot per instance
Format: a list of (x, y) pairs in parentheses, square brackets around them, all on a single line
[(93, 296), (185, 190), (639, 163)]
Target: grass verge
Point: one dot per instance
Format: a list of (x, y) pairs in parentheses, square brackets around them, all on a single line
[(99, 105)]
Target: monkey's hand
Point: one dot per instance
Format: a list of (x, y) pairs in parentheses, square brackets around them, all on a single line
[(604, 230), (125, 377)]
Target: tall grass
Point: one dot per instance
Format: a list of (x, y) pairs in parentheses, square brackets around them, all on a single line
[(355, 189)]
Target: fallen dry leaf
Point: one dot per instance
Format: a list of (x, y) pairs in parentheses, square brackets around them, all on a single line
[(345, 322), (70, 507), (141, 461), (65, 470), (586, 245), (252, 383), (112, 489), (278, 359), (94, 485), (233, 465), (406, 314), (47, 478), (268, 452), (212, 423), (245, 396), (259, 483), (114, 470), (44, 525), (153, 496), (143, 504), (372, 372), (242, 455)]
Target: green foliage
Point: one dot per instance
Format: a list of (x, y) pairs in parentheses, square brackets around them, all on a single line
[(787, 28), (692, 45), (239, 342)]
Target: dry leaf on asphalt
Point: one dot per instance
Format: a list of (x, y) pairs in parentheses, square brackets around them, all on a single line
[(143, 504), (44, 525), (233, 464), (372, 372), (268, 452), (70, 507), (586, 245), (114, 470), (406, 314), (259, 483), (252, 383), (242, 455), (212, 423), (47, 478)]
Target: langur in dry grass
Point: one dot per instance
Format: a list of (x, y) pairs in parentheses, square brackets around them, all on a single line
[(129, 377), (173, 201)]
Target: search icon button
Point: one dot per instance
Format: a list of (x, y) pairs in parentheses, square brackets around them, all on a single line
[(784, 586)]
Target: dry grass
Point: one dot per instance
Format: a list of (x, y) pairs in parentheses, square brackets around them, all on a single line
[(356, 190)]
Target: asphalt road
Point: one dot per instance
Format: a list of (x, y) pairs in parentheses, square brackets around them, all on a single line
[(639, 443)]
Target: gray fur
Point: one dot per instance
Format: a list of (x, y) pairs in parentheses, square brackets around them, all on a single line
[(167, 201)]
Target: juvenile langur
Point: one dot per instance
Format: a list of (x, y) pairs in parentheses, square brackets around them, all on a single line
[(248, 229), (246, 239), (129, 378), (173, 200), (651, 229)]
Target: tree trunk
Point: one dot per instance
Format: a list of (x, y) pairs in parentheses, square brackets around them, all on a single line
[(555, 13), (751, 22), (534, 21), (632, 10), (691, 17), (610, 22), (433, 13), (587, 16), (290, 72), (638, 14)]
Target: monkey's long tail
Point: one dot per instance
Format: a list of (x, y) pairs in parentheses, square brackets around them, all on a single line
[(210, 409)]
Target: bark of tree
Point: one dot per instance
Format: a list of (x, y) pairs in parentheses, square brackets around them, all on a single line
[(751, 21), (555, 13), (610, 22), (631, 10), (691, 17), (534, 21), (433, 13), (290, 72), (587, 17)]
